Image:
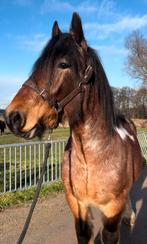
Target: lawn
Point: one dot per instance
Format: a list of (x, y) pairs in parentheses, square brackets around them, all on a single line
[(12, 198), (9, 138), (22, 164)]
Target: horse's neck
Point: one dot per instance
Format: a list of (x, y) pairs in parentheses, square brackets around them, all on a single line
[(91, 133)]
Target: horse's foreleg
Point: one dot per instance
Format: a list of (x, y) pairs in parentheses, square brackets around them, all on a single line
[(112, 213), (129, 215), (110, 233), (83, 224)]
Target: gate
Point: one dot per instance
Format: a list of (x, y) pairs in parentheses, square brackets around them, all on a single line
[(20, 164)]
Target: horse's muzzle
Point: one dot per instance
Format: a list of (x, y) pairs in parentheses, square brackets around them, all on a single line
[(15, 121)]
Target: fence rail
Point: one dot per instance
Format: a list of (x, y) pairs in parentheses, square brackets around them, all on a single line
[(142, 138), (20, 164)]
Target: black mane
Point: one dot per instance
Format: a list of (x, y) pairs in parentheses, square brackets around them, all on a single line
[(104, 91)]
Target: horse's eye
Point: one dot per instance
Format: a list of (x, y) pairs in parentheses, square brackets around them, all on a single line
[(63, 65)]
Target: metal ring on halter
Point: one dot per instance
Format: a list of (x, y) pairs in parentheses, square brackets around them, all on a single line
[(81, 83)]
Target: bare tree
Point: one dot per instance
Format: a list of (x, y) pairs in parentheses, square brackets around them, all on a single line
[(141, 102), (136, 65), (131, 102)]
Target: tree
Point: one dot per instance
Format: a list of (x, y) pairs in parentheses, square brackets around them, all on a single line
[(131, 102), (136, 64), (140, 99)]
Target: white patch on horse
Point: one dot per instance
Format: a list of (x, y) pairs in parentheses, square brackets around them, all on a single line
[(90, 134), (92, 144), (124, 133)]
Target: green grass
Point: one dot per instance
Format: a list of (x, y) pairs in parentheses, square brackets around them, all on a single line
[(28, 165), (13, 159), (9, 138), (14, 198), (142, 130)]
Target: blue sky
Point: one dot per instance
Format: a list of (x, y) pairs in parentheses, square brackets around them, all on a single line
[(25, 27)]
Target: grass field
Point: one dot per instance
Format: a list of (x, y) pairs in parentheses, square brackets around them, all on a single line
[(20, 165), (17, 167), (9, 138), (12, 198)]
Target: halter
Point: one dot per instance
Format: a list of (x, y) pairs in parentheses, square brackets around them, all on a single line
[(60, 105)]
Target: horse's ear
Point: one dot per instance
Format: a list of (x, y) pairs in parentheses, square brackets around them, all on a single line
[(56, 30), (76, 29)]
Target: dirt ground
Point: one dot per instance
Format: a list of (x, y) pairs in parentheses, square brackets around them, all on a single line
[(140, 123), (52, 221)]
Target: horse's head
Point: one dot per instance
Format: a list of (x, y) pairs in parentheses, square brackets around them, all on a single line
[(56, 73)]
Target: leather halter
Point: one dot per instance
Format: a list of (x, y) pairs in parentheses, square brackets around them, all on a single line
[(60, 105)]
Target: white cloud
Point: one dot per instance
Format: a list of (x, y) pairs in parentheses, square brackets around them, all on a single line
[(107, 9), (129, 23), (126, 23), (32, 43), (55, 5), (9, 83), (58, 6), (110, 50), (87, 6), (6, 100), (9, 86)]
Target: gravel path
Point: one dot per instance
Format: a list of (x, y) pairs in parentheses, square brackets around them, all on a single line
[(52, 221)]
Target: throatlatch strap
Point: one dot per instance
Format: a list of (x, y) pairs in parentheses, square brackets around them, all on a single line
[(68, 98)]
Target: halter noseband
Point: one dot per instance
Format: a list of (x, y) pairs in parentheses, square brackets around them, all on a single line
[(60, 105)]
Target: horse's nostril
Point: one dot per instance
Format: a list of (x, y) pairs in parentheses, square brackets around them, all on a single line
[(15, 120)]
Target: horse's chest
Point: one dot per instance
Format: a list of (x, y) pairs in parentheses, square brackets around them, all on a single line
[(80, 173), (89, 177)]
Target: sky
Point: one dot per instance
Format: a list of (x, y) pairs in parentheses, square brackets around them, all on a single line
[(25, 27)]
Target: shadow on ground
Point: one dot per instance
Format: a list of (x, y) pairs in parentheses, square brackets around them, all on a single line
[(138, 234)]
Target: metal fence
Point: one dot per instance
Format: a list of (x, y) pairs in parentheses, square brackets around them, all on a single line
[(142, 138), (20, 164)]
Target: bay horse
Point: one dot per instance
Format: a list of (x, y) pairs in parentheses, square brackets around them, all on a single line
[(2, 126), (102, 158)]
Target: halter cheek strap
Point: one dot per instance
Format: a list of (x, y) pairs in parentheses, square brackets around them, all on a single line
[(43, 93), (60, 105), (81, 88)]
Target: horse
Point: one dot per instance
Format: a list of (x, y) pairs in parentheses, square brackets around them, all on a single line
[(2, 126), (102, 158)]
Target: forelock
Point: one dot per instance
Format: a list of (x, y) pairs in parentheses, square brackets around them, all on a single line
[(59, 46)]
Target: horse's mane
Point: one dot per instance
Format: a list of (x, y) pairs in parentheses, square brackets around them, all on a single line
[(104, 90)]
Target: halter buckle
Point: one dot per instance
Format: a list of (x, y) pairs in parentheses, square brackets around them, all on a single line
[(87, 75), (42, 92)]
